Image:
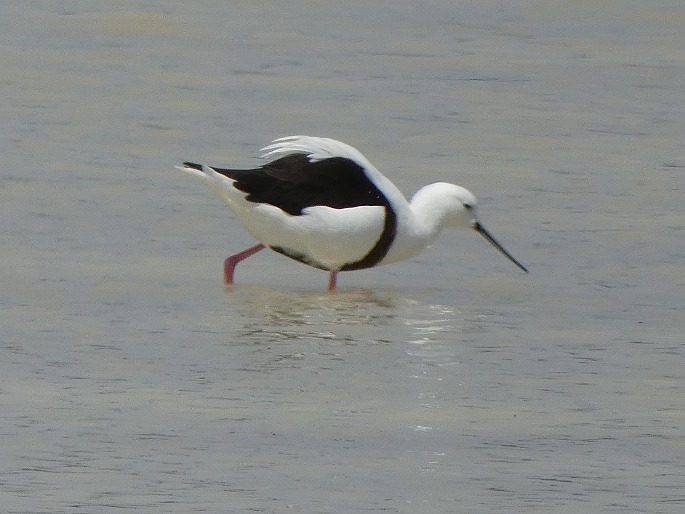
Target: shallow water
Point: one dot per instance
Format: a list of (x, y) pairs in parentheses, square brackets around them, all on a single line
[(132, 379)]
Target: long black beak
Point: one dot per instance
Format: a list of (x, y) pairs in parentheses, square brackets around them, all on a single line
[(481, 230)]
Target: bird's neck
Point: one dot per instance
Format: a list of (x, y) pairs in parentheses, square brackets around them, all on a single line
[(428, 213)]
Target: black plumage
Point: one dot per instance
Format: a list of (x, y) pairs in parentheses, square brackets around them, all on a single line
[(293, 183)]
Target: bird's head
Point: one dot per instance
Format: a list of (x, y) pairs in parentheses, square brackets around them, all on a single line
[(454, 206), (450, 205)]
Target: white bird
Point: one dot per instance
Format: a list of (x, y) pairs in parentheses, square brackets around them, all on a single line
[(321, 202)]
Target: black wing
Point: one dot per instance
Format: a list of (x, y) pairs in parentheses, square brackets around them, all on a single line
[(293, 183)]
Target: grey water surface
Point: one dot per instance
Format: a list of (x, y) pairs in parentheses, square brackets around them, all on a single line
[(132, 380)]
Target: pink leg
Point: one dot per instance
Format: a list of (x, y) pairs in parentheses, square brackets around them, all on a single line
[(331, 281), (233, 260)]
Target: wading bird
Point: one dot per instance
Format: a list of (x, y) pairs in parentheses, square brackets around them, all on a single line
[(321, 202)]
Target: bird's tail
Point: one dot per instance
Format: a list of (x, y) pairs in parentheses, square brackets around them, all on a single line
[(199, 170), (219, 184)]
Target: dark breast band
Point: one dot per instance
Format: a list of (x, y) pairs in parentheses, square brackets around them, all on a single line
[(380, 249)]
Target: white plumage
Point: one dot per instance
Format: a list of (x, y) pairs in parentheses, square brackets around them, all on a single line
[(320, 201)]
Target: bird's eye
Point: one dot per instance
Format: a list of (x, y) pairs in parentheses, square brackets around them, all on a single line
[(468, 206)]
